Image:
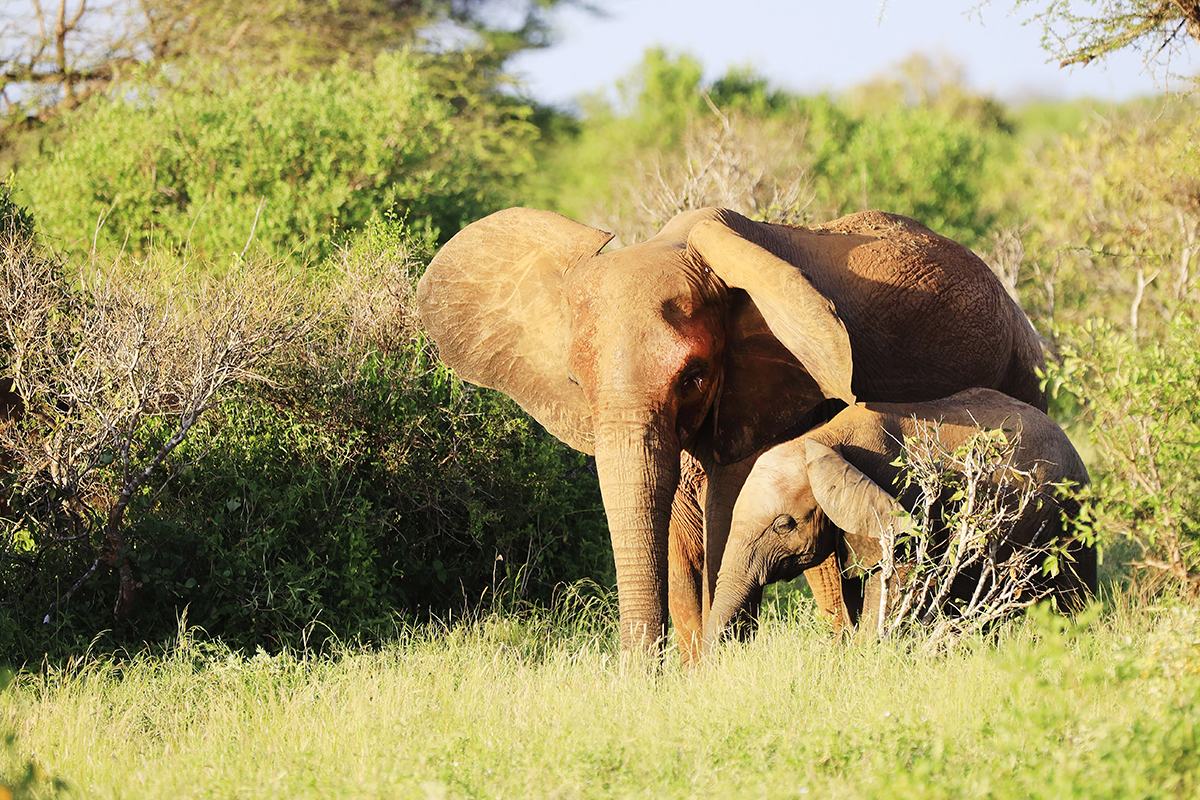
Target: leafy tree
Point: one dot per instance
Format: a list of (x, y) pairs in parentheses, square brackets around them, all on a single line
[(922, 162), (920, 81), (55, 55)]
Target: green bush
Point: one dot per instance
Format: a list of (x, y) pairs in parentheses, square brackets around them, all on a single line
[(213, 164), (360, 486), (397, 496), (920, 162), (1110, 215), (1139, 400)]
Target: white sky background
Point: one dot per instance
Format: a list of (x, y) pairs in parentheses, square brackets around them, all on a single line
[(809, 46)]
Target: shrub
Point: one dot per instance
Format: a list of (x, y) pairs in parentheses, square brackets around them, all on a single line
[(360, 483), (956, 571), (1139, 400), (920, 162), (113, 376), (1110, 216), (211, 165)]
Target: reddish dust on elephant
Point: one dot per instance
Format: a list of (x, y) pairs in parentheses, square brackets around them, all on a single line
[(674, 359)]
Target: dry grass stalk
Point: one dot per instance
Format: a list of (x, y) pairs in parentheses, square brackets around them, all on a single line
[(724, 161)]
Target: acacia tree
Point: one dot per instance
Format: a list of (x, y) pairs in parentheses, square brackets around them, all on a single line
[(1081, 32)]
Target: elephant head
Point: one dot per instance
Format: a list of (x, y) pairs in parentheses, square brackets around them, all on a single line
[(717, 336), (803, 508), (820, 504)]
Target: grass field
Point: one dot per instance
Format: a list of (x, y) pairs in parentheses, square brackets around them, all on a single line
[(540, 705)]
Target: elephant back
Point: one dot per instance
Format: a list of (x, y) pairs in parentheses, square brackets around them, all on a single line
[(910, 296)]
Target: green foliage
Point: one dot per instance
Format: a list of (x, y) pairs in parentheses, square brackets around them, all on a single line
[(1140, 402), (213, 165), (925, 163), (1080, 32), (16, 224), (930, 158), (1111, 216), (402, 492), (581, 164), (55, 59), (375, 486)]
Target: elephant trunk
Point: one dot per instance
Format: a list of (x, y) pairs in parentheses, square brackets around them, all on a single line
[(638, 467), (736, 601)]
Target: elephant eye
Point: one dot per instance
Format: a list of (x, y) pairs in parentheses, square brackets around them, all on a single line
[(692, 378), (784, 524)]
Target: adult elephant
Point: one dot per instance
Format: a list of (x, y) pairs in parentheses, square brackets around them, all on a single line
[(831, 492), (710, 340)]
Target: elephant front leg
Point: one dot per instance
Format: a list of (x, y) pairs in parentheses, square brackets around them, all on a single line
[(685, 560)]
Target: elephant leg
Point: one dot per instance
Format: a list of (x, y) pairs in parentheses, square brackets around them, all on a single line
[(685, 559), (825, 580)]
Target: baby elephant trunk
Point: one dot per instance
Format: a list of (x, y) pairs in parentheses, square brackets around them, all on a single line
[(734, 613)]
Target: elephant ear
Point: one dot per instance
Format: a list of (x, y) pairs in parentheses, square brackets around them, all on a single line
[(799, 316), (492, 301), (765, 390), (859, 506)]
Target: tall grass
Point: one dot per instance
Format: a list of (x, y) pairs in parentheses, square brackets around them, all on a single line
[(540, 705)]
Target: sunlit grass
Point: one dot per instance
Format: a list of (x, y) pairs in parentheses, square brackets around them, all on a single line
[(541, 705)]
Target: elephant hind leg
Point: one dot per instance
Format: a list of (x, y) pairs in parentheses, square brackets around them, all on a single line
[(1076, 582)]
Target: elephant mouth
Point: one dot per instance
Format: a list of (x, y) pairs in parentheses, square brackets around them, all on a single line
[(788, 568)]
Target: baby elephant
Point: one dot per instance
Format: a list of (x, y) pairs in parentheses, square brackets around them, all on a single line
[(816, 504)]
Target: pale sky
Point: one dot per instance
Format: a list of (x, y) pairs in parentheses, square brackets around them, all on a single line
[(809, 46)]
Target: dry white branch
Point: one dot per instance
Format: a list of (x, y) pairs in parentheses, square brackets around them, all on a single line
[(728, 162), (969, 500)]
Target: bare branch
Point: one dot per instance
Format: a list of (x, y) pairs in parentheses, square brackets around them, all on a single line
[(964, 539)]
